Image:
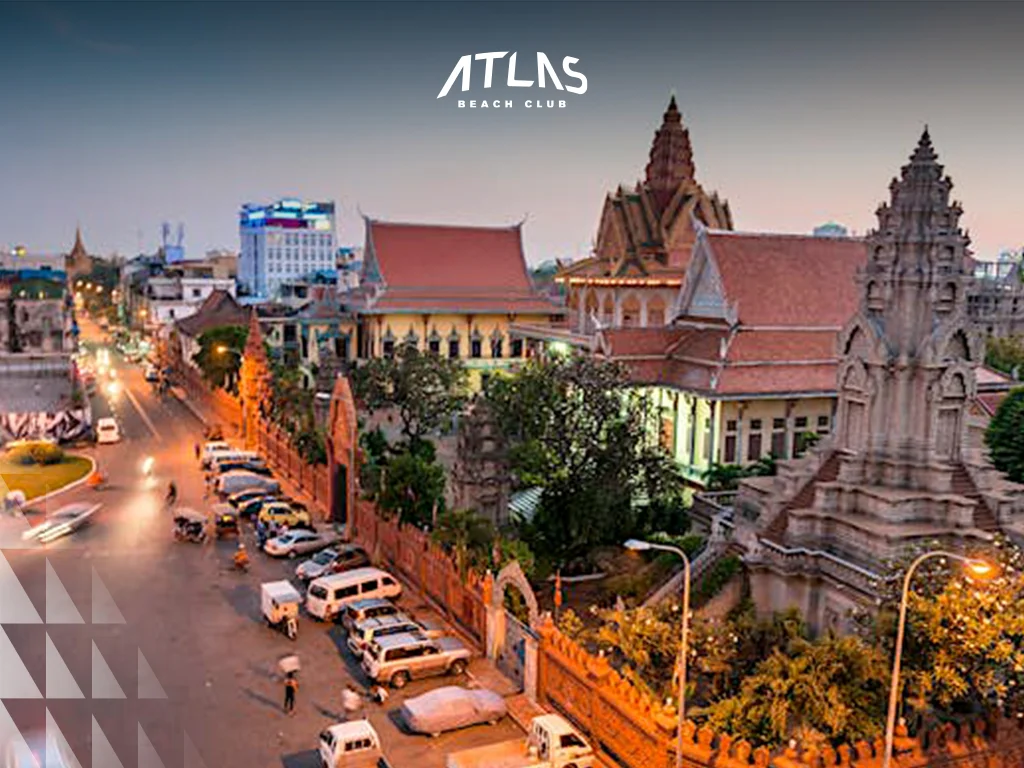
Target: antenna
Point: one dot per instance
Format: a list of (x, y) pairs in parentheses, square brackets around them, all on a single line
[(181, 234), (165, 234)]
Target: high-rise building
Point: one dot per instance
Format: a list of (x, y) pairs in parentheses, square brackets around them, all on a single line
[(284, 241)]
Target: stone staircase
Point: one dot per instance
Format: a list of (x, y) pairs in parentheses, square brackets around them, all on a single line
[(829, 471), (964, 485)]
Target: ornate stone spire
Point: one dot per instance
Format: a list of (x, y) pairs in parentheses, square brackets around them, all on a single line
[(78, 249), (671, 159), (254, 375)]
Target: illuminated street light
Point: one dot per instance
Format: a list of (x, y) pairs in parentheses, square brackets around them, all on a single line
[(638, 545), (222, 349), (976, 567)]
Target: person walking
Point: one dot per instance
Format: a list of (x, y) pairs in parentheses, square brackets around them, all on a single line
[(198, 452), (291, 685), (379, 694), (351, 702)]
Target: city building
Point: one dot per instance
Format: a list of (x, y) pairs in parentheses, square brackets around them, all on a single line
[(644, 242), (36, 315), (746, 367), (18, 258), (286, 240), (831, 229), (218, 309), (898, 470), (179, 290), (447, 290)]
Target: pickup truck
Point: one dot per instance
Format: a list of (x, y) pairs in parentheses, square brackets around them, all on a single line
[(552, 743)]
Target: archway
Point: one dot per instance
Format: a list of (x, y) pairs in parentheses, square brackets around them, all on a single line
[(511, 640), (341, 449)]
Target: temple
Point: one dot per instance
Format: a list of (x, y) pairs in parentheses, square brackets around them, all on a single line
[(644, 240), (896, 472), (78, 262)]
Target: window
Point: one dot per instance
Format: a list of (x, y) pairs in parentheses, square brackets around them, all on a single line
[(369, 586), (779, 445), (778, 423), (475, 348), (730, 425), (388, 581), (824, 421), (453, 348), (801, 422), (517, 348), (434, 345), (388, 348), (755, 425), (754, 447), (341, 594), (496, 344), (730, 449)]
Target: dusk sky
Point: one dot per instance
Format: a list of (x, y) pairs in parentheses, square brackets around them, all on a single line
[(120, 116)]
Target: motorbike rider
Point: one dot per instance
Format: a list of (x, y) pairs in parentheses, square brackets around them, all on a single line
[(172, 493), (241, 557)]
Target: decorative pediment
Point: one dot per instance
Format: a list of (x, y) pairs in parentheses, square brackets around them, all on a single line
[(703, 294)]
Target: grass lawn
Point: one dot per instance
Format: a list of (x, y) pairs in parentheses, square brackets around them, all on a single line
[(37, 480)]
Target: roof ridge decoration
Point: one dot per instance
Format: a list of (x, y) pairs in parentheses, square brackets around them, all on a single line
[(671, 157)]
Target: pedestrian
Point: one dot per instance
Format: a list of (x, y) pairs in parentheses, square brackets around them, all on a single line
[(351, 702), (198, 451), (379, 694), (291, 685)]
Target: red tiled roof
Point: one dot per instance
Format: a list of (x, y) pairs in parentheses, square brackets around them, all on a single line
[(789, 279), (779, 346), (632, 342), (425, 267), (219, 309), (990, 379), (776, 379)]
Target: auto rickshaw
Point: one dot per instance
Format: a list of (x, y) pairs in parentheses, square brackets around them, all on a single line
[(190, 525), (225, 521), (279, 602)]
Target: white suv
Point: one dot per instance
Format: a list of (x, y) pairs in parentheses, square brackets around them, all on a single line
[(107, 430)]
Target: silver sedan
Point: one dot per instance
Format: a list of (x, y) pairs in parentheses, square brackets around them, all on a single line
[(295, 543)]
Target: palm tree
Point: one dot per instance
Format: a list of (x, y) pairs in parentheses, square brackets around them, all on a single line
[(465, 534)]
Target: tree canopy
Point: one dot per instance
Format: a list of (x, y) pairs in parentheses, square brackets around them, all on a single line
[(220, 368), (1005, 436), (1005, 353), (426, 390), (579, 432)]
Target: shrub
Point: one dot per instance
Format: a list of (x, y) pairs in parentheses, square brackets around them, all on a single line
[(46, 453), (22, 454), (719, 575)]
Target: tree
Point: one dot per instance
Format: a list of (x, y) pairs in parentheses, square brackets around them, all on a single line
[(1005, 436), (467, 536), (220, 368), (577, 431), (964, 646), (426, 390), (1005, 353), (413, 486)]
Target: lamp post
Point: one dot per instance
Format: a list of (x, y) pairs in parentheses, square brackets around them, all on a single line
[(638, 545), (976, 567)]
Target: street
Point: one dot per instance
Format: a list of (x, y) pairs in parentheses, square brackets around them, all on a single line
[(194, 619)]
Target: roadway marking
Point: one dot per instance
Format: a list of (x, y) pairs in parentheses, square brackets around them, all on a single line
[(141, 412)]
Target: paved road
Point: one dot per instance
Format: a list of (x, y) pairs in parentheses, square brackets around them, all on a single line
[(194, 619)]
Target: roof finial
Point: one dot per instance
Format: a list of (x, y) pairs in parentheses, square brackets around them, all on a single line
[(671, 158)]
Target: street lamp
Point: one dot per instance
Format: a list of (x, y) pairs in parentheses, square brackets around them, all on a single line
[(975, 567), (638, 545), (222, 349)]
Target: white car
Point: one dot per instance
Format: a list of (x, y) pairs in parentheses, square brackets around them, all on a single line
[(151, 373), (107, 431), (354, 743), (65, 520), (295, 543)]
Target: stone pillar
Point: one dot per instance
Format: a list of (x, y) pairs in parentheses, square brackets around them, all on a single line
[(530, 669)]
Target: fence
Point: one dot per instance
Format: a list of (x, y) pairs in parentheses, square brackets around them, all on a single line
[(629, 729), (412, 554), (312, 481), (225, 407)]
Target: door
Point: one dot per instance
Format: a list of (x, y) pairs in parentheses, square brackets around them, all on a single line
[(339, 494)]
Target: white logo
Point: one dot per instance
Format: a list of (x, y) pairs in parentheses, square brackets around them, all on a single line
[(576, 82)]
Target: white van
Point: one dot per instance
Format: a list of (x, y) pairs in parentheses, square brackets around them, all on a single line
[(239, 480), (212, 447), (228, 454), (329, 594)]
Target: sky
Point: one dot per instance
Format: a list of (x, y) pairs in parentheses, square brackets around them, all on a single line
[(118, 117)]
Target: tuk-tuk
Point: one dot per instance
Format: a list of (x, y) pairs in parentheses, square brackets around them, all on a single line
[(190, 525), (279, 602), (225, 520)]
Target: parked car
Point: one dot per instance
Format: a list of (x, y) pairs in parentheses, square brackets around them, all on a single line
[(295, 543), (368, 630), (283, 513), (151, 373), (255, 466), (107, 431), (332, 560), (353, 744), (397, 659), (328, 595), (233, 482), (240, 499), (452, 707), (552, 743), (65, 520), (370, 608)]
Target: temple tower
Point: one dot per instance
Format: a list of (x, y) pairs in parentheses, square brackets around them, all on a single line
[(820, 535), (671, 158)]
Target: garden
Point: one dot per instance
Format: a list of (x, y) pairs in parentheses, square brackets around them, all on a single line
[(37, 468)]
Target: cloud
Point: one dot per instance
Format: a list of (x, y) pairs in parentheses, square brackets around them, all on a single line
[(62, 25)]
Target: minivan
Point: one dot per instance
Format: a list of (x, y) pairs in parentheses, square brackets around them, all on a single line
[(237, 480), (228, 454), (328, 595)]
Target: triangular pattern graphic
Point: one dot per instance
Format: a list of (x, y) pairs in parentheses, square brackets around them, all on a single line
[(58, 751), (60, 683), (15, 680), (148, 757), (60, 608), (192, 757), (149, 686), (104, 609), (15, 605), (103, 754), (13, 742), (104, 684)]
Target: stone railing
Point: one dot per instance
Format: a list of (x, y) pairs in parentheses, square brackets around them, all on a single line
[(628, 728)]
